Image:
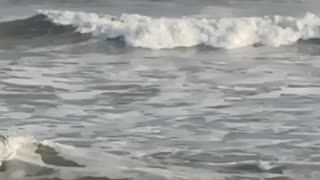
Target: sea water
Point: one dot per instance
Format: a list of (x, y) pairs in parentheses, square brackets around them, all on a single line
[(159, 90)]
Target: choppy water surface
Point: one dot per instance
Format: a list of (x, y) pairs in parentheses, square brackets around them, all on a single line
[(104, 96)]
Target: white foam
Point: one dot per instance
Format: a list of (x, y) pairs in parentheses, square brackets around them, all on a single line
[(19, 147), (157, 33)]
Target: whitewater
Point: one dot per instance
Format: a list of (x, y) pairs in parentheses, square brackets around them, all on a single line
[(164, 33)]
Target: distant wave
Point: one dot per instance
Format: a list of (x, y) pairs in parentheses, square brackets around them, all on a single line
[(51, 27)]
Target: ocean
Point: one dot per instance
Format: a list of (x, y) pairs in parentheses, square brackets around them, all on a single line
[(159, 90)]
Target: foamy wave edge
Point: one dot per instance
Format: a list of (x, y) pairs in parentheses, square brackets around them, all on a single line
[(22, 157), (19, 152), (161, 33)]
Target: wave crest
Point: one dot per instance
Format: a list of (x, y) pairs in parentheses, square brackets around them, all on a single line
[(38, 31), (159, 33)]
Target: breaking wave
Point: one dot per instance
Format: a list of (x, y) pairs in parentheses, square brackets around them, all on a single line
[(158, 33), (62, 27)]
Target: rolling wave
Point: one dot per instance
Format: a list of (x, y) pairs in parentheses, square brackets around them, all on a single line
[(164, 33), (38, 30), (50, 27)]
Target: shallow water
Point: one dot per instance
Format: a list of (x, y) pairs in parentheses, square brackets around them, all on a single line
[(88, 106)]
